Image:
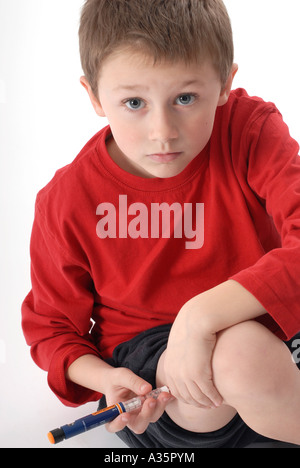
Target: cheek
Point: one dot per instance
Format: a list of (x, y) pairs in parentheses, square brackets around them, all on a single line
[(127, 137), (200, 132), (205, 126)]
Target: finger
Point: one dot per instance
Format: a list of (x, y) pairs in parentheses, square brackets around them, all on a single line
[(181, 391), (151, 411), (118, 424), (199, 397), (190, 393), (139, 420), (205, 395), (209, 390), (154, 408), (133, 382)]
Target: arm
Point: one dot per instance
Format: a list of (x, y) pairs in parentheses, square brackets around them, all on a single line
[(56, 314), (91, 372), (193, 338), (224, 306), (56, 321), (118, 384), (267, 165), (271, 173)]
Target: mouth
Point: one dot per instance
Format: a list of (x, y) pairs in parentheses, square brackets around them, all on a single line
[(164, 158)]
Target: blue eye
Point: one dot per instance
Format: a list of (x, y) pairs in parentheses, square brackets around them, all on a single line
[(134, 104), (185, 99)]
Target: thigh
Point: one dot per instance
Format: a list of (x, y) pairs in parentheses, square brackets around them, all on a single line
[(244, 356), (249, 360)]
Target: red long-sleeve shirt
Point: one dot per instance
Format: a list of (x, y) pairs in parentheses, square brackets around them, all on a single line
[(119, 254)]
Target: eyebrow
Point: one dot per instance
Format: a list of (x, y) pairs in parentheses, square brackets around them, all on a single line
[(130, 87), (192, 82), (146, 88)]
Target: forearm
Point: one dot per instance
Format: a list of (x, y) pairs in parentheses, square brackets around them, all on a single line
[(117, 384), (90, 372), (223, 307)]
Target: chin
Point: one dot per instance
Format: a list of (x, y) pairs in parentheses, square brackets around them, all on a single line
[(167, 172)]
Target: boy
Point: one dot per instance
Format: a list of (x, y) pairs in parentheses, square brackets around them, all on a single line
[(177, 231)]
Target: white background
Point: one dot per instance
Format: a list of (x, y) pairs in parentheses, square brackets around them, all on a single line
[(45, 119)]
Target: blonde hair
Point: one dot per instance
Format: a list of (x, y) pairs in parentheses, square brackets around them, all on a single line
[(167, 30)]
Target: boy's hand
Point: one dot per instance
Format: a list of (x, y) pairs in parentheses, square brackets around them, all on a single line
[(124, 385), (188, 359)]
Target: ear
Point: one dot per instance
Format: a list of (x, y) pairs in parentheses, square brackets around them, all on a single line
[(228, 86), (94, 100)]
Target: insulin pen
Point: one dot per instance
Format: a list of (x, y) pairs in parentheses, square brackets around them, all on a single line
[(101, 417)]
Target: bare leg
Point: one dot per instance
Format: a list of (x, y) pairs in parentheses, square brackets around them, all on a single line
[(263, 384), (257, 378)]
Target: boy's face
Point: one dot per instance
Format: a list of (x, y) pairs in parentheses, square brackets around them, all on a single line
[(161, 116)]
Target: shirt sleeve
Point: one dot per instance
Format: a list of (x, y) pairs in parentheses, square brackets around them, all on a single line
[(56, 314), (272, 172)]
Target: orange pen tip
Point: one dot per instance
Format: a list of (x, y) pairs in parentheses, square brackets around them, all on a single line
[(51, 438)]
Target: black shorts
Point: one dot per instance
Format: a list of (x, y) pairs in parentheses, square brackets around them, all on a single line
[(141, 355)]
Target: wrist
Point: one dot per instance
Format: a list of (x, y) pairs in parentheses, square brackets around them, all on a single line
[(90, 372), (222, 307)]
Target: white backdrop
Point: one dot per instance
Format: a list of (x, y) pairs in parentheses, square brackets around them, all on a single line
[(45, 119)]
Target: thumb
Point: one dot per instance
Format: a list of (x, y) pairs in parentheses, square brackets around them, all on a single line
[(136, 384)]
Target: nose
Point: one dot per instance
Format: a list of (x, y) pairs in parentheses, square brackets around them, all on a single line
[(162, 126)]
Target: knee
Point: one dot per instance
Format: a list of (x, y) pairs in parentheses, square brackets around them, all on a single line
[(248, 360)]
